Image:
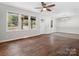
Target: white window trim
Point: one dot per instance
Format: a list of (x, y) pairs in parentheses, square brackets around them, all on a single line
[(36, 23), (19, 23), (7, 14)]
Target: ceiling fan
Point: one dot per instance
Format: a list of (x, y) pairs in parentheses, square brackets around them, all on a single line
[(45, 7)]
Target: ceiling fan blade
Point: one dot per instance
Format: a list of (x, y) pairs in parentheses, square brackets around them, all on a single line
[(51, 5), (49, 10), (41, 10), (38, 7), (43, 3)]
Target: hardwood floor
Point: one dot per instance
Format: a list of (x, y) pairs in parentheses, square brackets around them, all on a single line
[(55, 44)]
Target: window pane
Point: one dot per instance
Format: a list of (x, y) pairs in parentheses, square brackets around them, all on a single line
[(24, 20), (33, 22), (51, 24), (12, 21)]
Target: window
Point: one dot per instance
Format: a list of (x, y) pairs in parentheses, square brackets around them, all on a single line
[(12, 21), (20, 21), (33, 22), (51, 24), (24, 22)]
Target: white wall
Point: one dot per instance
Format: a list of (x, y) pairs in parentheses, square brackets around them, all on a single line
[(48, 28), (4, 35), (46, 25), (70, 25)]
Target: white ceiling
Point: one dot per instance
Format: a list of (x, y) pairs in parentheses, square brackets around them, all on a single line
[(26, 5), (71, 7)]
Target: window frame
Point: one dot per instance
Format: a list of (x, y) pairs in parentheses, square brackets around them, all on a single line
[(7, 21), (21, 22), (35, 23)]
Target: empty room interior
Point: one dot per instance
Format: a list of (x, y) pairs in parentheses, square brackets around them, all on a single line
[(39, 28)]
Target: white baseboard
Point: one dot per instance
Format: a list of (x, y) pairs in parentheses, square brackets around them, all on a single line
[(17, 38)]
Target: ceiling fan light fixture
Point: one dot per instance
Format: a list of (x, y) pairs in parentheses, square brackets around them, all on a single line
[(44, 9)]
